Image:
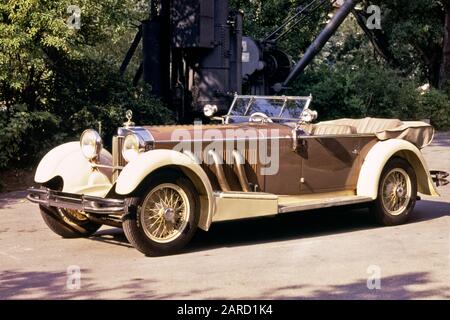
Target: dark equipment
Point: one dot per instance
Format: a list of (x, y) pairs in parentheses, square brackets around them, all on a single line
[(195, 54), (192, 54)]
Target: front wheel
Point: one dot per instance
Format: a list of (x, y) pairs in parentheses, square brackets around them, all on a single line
[(165, 218), (68, 223), (397, 193)]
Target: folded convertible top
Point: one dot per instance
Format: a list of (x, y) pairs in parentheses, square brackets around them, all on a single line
[(420, 134)]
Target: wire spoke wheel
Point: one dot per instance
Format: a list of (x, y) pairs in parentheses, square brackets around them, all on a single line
[(75, 215), (396, 191), (165, 213), (68, 223), (165, 217)]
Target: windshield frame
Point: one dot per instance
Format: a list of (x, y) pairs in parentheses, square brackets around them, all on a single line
[(253, 98)]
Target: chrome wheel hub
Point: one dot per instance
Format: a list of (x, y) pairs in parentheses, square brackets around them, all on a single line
[(165, 213), (400, 192), (169, 215)]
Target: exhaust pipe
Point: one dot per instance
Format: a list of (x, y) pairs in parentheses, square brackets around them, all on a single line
[(218, 164), (240, 170)]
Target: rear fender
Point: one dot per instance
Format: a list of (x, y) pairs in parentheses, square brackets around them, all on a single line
[(378, 157)]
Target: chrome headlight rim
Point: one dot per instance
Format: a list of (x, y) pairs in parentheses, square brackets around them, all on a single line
[(96, 142), (132, 149)]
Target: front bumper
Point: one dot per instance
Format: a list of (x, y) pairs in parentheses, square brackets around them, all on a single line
[(88, 204)]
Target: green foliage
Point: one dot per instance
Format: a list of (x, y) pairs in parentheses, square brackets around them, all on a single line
[(436, 107), (366, 90), (25, 134), (370, 89), (414, 30), (55, 81), (348, 80), (263, 16)]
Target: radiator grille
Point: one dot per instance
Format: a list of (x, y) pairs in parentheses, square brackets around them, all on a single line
[(118, 160)]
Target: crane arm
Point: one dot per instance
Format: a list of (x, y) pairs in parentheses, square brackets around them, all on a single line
[(318, 43)]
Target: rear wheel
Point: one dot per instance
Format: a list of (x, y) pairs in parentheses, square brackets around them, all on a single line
[(68, 223), (397, 193), (165, 218)]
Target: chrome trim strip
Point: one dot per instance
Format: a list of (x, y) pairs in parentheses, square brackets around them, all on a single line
[(270, 138)]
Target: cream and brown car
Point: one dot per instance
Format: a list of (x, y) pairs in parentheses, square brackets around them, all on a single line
[(265, 157)]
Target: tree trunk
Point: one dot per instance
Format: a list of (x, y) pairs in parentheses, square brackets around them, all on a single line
[(444, 75)]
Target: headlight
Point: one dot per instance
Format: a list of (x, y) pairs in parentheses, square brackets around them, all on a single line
[(91, 144), (132, 147), (210, 110)]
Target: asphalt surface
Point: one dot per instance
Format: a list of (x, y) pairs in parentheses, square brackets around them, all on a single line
[(332, 254)]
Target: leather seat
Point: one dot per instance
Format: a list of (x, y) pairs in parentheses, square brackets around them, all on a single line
[(351, 126), (320, 130), (328, 129), (367, 125)]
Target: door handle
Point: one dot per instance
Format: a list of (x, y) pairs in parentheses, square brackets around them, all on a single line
[(301, 146)]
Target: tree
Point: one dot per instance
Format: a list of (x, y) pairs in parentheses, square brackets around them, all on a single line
[(444, 75), (415, 32), (55, 80), (263, 16)]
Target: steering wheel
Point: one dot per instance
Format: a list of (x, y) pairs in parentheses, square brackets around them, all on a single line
[(260, 117)]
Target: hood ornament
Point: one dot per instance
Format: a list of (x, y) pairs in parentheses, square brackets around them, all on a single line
[(129, 116)]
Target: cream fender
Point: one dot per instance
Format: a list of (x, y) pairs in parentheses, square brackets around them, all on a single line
[(378, 157), (136, 171), (67, 162)]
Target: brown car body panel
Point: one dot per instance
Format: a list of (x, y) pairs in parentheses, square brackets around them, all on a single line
[(334, 163), (322, 164)]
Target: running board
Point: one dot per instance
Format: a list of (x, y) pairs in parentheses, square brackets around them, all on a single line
[(319, 203), (243, 205)]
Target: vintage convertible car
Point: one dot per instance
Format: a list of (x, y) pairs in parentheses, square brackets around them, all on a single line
[(265, 157)]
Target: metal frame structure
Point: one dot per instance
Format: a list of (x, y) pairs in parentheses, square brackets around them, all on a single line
[(195, 52)]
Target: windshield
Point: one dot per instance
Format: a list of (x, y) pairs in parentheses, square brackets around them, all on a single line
[(279, 109)]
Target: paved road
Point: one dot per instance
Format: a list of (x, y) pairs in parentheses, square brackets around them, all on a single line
[(324, 255)]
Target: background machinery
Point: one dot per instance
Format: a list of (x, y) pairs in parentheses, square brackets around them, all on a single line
[(196, 57)]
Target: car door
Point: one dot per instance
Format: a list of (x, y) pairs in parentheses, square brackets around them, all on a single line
[(287, 180), (331, 163), (327, 163)]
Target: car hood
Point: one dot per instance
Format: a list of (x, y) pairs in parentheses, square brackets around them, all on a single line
[(218, 132)]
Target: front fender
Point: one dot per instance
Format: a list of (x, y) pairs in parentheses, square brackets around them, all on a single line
[(68, 162), (139, 169), (378, 157)]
